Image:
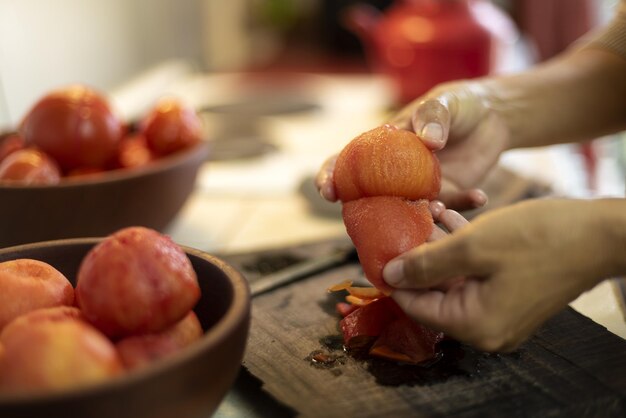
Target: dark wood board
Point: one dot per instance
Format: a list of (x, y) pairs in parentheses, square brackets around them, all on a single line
[(571, 367)]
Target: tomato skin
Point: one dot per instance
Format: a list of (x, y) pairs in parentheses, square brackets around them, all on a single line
[(29, 166), (75, 126), (385, 331), (171, 126)]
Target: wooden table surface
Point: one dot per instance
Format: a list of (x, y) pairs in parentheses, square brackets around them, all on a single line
[(571, 367)]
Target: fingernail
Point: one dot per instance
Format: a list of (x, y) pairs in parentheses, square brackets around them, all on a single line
[(432, 131), (437, 207), (327, 191), (480, 198), (393, 273)]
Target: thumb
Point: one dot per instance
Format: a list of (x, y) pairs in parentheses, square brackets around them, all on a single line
[(428, 265), (431, 121), (450, 107)]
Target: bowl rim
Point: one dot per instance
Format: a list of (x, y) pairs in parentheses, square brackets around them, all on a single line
[(197, 151), (237, 312)]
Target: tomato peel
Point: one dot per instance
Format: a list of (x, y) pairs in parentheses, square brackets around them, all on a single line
[(405, 340), (365, 292), (369, 320), (385, 331), (339, 286)]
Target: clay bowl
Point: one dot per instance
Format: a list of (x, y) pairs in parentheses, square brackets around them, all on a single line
[(191, 383), (95, 206)]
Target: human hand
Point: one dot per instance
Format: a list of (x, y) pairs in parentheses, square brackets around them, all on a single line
[(456, 121), (460, 122), (517, 266)]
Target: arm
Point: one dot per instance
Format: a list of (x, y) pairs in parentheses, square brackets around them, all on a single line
[(577, 96)]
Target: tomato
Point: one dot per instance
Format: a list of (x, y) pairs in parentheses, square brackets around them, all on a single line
[(75, 126), (133, 152), (10, 143), (85, 172), (382, 228), (171, 126), (29, 166)]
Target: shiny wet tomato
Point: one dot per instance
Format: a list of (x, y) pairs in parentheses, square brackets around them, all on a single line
[(10, 143), (29, 166), (76, 126), (171, 126), (133, 152)]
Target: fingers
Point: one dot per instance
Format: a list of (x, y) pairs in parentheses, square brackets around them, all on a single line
[(461, 312), (428, 265), (455, 198), (431, 122), (324, 179), (429, 118), (436, 208), (450, 219), (451, 311), (437, 234), (432, 264)]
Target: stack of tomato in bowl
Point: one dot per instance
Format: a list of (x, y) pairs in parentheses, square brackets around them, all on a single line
[(73, 168), (129, 325)]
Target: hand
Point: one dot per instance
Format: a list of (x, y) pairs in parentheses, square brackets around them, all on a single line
[(457, 122), (520, 265), (451, 221), (461, 123)]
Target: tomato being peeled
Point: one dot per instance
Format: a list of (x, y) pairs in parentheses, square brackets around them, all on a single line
[(171, 126), (75, 126)]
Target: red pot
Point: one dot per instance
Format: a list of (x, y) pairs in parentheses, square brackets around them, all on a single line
[(421, 43)]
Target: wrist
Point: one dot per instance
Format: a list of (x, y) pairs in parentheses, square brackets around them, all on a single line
[(507, 103)]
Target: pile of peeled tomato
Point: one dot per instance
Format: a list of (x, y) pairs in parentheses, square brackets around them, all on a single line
[(373, 323), (74, 131), (385, 179)]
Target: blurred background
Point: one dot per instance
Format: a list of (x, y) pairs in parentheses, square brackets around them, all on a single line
[(282, 84), (106, 44)]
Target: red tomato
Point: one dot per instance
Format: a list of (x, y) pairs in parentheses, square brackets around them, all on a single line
[(29, 166), (85, 172), (171, 126), (10, 143), (133, 152), (75, 126)]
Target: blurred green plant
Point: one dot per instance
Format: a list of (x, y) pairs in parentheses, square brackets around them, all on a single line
[(279, 14)]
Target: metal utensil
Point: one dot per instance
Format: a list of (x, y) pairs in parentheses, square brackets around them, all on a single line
[(302, 270)]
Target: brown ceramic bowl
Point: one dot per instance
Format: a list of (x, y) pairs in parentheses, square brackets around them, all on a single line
[(189, 384), (95, 206)]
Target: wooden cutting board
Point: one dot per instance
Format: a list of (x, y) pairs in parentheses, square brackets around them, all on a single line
[(571, 367)]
